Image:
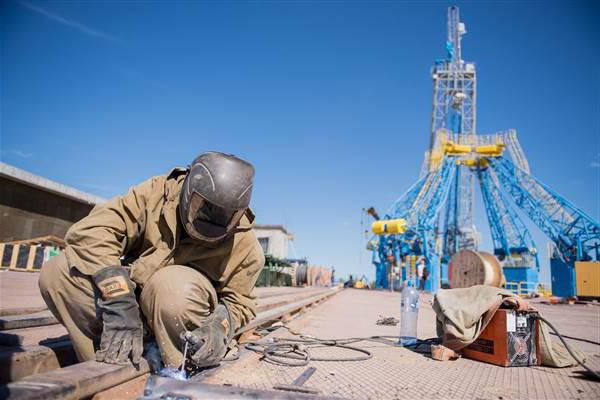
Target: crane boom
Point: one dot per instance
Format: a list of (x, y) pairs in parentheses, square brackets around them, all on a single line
[(575, 234)]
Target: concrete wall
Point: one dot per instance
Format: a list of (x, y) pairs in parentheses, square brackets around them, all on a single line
[(274, 240), (27, 212)]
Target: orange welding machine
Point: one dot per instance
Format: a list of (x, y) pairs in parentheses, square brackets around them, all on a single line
[(511, 339)]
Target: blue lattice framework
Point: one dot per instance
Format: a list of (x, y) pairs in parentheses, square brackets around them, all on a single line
[(575, 234), (509, 233), (419, 206)]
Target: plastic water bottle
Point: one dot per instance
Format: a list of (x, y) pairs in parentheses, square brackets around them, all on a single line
[(409, 314)]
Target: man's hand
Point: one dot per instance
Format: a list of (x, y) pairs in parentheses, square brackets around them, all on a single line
[(208, 343), (122, 331)]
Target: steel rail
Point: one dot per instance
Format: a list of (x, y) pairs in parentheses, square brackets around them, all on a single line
[(45, 317), (90, 377)]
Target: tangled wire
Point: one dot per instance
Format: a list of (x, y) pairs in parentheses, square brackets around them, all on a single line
[(296, 352)]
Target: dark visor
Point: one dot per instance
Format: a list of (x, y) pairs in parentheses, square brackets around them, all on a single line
[(210, 220)]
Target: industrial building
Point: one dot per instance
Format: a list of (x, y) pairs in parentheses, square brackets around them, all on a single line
[(32, 206), (274, 240)]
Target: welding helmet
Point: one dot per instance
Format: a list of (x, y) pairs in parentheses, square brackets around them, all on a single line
[(215, 195)]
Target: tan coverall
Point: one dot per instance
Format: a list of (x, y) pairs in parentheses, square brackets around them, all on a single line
[(179, 282)]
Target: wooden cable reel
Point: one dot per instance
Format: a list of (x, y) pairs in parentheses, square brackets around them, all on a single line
[(469, 268), (301, 275)]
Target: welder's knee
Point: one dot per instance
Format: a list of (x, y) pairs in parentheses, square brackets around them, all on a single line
[(177, 297), (53, 276)]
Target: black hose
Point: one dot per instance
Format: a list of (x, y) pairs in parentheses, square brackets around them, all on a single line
[(593, 373), (578, 339)]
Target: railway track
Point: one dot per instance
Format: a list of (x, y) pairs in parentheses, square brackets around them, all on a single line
[(48, 369)]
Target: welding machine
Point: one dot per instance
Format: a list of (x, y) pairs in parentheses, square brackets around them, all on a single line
[(511, 339)]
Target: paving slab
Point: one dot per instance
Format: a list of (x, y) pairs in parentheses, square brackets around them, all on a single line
[(399, 373), (19, 290)]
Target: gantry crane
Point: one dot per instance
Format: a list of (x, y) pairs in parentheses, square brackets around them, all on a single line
[(433, 220)]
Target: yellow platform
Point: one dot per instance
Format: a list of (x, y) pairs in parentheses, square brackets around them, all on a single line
[(587, 276)]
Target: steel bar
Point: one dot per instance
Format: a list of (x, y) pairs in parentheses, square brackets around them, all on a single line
[(35, 359), (27, 320), (296, 386), (278, 312), (73, 382), (163, 388)]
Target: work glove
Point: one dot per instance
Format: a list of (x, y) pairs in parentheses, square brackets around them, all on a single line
[(208, 343), (122, 331)]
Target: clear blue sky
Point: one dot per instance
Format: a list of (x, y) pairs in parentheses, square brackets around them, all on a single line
[(330, 100)]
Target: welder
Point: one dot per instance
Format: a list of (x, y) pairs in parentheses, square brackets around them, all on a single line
[(173, 260)]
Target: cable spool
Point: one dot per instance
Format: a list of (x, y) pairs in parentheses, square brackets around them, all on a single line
[(469, 268), (318, 277), (311, 274), (301, 274), (325, 277)]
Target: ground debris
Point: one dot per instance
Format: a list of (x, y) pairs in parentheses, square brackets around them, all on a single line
[(387, 321)]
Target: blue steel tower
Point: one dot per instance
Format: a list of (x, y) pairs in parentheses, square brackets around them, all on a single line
[(433, 220)]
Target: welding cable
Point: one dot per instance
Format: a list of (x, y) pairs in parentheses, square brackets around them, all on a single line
[(592, 373), (296, 352), (282, 350)]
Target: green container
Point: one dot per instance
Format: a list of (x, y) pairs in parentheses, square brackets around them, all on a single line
[(275, 273)]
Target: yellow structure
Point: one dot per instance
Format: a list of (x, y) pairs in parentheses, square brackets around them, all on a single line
[(383, 227), (455, 149), (474, 162), (359, 285), (465, 146), (542, 290), (490, 150), (587, 276)]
